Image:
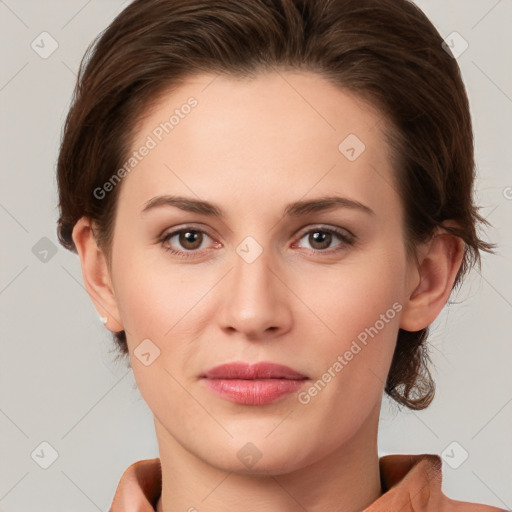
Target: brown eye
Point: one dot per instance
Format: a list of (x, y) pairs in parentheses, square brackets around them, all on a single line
[(320, 239), (190, 239), (184, 242)]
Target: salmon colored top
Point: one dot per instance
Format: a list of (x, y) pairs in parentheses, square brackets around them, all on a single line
[(410, 483)]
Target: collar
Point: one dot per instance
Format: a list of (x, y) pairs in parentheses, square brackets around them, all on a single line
[(410, 483)]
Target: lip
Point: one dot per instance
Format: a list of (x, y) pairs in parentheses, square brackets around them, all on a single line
[(253, 384), (247, 371)]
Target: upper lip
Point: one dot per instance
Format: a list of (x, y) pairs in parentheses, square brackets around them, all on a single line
[(247, 371)]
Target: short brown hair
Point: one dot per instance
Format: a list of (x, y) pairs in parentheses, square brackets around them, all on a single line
[(385, 51)]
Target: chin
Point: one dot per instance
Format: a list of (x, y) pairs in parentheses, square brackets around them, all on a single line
[(259, 457)]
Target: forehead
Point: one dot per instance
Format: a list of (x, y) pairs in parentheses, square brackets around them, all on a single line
[(282, 133)]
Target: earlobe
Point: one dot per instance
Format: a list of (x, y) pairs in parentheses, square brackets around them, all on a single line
[(436, 271), (95, 274)]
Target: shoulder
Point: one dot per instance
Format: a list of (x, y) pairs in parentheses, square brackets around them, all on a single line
[(413, 483), (450, 505)]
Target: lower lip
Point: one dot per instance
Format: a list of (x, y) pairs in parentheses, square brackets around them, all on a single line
[(254, 392)]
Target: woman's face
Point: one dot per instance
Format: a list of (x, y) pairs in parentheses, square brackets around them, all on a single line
[(319, 290)]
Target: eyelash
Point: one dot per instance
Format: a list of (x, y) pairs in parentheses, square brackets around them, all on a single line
[(346, 238)]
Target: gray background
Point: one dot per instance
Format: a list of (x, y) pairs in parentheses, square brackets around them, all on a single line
[(59, 383)]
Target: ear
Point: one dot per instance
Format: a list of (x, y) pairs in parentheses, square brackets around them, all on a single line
[(96, 275), (431, 280)]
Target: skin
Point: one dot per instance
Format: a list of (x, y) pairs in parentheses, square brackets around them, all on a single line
[(252, 146)]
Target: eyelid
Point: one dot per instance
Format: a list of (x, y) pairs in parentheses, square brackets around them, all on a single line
[(299, 234), (177, 229), (167, 234), (345, 236), (326, 227), (346, 239)]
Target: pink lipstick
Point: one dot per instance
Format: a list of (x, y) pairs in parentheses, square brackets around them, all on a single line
[(257, 384)]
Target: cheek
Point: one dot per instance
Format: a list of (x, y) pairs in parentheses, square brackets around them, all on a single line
[(165, 303), (148, 293), (352, 297), (158, 306), (139, 297), (362, 312)]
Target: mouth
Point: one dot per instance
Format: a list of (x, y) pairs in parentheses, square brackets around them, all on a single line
[(258, 384)]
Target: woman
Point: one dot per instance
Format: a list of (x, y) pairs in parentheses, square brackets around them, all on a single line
[(271, 202)]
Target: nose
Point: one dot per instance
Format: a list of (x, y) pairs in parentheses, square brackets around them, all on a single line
[(256, 299)]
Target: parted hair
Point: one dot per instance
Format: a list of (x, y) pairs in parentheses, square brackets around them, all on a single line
[(385, 51)]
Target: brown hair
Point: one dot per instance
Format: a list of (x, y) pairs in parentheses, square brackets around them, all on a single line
[(385, 51)]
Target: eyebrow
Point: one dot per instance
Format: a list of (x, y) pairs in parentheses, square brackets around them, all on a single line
[(296, 209)]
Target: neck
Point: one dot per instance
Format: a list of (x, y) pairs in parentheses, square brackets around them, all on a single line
[(347, 479)]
